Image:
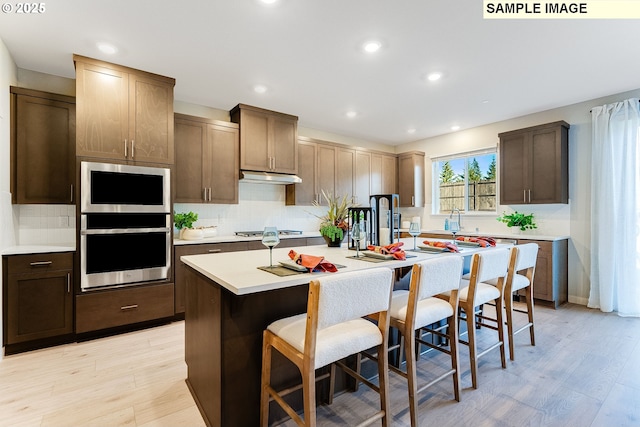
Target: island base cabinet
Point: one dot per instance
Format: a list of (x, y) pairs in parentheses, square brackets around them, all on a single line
[(223, 350), (123, 306)]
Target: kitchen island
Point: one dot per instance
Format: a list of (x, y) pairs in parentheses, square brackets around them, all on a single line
[(229, 302)]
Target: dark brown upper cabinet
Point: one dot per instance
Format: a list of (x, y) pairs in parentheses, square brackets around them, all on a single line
[(43, 137), (206, 169), (534, 165), (123, 114), (268, 139), (411, 179)]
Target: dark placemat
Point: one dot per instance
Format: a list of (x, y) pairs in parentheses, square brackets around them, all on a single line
[(278, 270), (281, 271), (369, 259)]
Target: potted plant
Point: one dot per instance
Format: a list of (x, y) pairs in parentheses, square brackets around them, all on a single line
[(184, 223), (334, 224), (517, 219)]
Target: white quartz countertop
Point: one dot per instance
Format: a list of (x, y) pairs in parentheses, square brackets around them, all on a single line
[(238, 271), (37, 249), (529, 235), (234, 238)]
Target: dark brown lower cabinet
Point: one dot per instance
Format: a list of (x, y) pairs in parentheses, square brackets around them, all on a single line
[(37, 298), (123, 306)]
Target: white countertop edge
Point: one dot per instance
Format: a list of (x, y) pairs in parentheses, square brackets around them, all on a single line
[(37, 249), (525, 235)]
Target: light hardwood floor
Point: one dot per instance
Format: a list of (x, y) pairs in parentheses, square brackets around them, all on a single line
[(584, 371)]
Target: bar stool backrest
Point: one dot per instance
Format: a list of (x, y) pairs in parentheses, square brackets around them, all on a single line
[(493, 264), (527, 256), (439, 275), (352, 295)]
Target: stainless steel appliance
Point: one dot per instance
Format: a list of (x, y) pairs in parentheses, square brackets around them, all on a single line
[(125, 225)]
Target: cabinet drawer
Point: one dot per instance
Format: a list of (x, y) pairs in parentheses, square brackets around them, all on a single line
[(34, 263), (123, 306)]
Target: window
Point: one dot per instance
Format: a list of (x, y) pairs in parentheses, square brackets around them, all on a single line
[(465, 181)]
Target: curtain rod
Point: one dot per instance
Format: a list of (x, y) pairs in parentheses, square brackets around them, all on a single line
[(592, 109)]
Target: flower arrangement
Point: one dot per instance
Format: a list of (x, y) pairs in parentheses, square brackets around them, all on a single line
[(334, 223), (517, 219)]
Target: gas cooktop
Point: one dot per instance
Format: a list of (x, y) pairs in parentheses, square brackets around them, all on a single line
[(259, 233)]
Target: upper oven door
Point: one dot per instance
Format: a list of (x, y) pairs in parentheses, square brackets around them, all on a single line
[(107, 187)]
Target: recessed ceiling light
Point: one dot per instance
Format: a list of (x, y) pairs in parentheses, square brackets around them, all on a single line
[(432, 77), (411, 131), (268, 1), (455, 128), (485, 101), (259, 88), (372, 46), (107, 48), (351, 114)]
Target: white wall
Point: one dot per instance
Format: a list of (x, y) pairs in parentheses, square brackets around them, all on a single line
[(8, 77), (573, 219)]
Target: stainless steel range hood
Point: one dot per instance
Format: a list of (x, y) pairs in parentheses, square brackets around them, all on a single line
[(269, 178)]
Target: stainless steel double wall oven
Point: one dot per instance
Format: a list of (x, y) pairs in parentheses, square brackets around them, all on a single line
[(125, 224)]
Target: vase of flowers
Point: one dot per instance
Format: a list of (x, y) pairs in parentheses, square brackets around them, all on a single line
[(334, 224), (517, 219)]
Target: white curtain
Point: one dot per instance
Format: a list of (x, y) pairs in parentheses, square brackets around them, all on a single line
[(615, 208)]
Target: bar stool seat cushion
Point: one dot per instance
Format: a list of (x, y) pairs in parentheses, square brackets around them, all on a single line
[(332, 343), (429, 310), (519, 282), (484, 292)]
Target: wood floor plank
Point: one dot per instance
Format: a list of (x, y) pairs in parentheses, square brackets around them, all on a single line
[(583, 371)]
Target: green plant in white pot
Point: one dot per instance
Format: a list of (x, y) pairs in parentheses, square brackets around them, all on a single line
[(517, 219), (184, 223)]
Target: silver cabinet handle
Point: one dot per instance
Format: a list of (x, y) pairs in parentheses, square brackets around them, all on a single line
[(125, 148), (133, 146), (40, 263), (71, 199), (524, 196), (129, 307), (529, 195), (68, 283), (214, 251), (209, 193), (204, 194)]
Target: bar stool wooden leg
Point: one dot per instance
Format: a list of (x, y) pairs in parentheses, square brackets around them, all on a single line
[(410, 350), (471, 336)]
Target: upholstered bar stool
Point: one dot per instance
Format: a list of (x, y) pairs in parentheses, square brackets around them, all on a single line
[(523, 259), (420, 307), (332, 329), (474, 292)]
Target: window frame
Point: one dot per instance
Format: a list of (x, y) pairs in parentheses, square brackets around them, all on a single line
[(467, 156)]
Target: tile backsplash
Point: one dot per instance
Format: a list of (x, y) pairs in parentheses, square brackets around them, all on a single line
[(44, 224)]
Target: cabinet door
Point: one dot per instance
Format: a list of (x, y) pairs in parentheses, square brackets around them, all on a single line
[(345, 167), (39, 305), (306, 192), (189, 144), (362, 178), (326, 171), (102, 105), (285, 145), (514, 171), (254, 141), (150, 120), (389, 174), (221, 164), (44, 144), (546, 179), (411, 180)]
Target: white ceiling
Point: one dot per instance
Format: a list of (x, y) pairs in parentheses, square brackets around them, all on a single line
[(308, 53)]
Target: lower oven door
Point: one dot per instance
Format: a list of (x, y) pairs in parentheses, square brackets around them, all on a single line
[(117, 257)]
